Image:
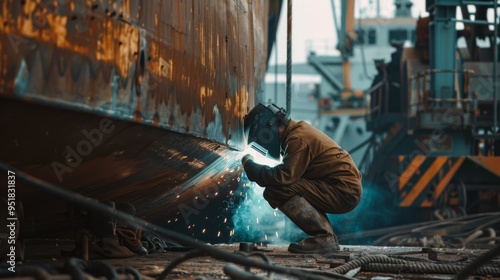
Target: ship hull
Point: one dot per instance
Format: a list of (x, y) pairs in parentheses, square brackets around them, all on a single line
[(136, 101)]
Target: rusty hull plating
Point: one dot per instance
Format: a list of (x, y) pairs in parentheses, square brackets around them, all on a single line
[(173, 78), (188, 66)]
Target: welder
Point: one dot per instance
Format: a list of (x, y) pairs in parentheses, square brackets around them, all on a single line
[(315, 175)]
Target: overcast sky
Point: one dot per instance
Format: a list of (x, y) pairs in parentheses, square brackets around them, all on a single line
[(313, 21)]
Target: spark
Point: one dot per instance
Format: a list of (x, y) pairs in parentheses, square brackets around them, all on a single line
[(178, 196), (176, 219), (277, 235), (225, 220), (168, 221), (275, 214), (265, 236), (231, 192), (218, 234), (257, 220), (216, 193), (231, 233), (203, 231)]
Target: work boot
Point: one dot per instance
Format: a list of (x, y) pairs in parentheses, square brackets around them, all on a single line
[(322, 240)]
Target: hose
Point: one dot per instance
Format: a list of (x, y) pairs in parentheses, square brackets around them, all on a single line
[(189, 255), (329, 274), (472, 237), (37, 273), (132, 271), (265, 258), (77, 267), (382, 239), (463, 195), (236, 273), (493, 235)]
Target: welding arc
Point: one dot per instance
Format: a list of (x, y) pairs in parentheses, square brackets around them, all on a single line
[(94, 205)]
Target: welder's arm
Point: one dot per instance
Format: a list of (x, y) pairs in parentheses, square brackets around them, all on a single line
[(295, 161)]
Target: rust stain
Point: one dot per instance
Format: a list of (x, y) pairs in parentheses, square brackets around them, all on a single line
[(241, 103), (183, 57), (137, 112)]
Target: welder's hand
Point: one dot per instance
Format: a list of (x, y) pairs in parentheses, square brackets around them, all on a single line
[(246, 158)]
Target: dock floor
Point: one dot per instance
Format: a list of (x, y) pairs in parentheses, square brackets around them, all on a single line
[(385, 263)]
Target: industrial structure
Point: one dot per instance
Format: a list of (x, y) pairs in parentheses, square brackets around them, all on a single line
[(434, 116)]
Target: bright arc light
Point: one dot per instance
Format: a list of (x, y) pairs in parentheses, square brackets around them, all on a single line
[(259, 158)]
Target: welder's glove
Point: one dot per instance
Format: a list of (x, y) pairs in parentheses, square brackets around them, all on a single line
[(246, 158)]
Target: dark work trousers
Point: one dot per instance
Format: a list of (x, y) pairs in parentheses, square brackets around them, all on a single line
[(327, 197)]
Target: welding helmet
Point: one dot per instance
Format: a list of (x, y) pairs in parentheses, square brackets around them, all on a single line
[(262, 129)]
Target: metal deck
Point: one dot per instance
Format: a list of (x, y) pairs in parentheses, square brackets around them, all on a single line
[(380, 262)]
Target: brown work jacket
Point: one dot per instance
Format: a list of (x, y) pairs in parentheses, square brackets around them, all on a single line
[(310, 154)]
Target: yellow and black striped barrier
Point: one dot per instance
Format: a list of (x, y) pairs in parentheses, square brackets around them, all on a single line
[(423, 178)]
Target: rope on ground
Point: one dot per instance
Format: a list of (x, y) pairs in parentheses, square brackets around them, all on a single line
[(475, 266), (343, 269), (329, 274), (427, 268)]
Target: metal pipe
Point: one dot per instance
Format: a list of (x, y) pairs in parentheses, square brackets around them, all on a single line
[(348, 42), (276, 68), (335, 20), (479, 3), (478, 22), (289, 60), (495, 65)]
